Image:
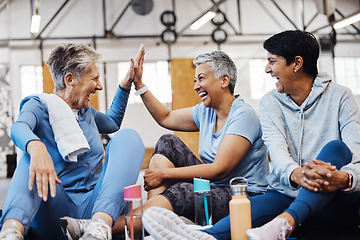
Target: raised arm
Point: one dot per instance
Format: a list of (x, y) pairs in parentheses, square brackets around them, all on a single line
[(180, 120), (111, 122)]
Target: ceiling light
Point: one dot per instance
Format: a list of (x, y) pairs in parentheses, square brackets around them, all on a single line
[(35, 23), (201, 21), (35, 19), (347, 21)]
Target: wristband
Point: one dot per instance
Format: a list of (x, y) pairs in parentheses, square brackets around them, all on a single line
[(350, 182), (141, 91)]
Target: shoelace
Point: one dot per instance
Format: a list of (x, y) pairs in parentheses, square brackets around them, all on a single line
[(98, 230), (82, 223)]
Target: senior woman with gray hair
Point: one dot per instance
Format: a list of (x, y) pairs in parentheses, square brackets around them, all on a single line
[(230, 144), (61, 171)]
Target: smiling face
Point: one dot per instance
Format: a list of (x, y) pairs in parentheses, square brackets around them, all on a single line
[(84, 87), (205, 84), (284, 73)]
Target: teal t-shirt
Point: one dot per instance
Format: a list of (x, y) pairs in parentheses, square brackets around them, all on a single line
[(242, 121)]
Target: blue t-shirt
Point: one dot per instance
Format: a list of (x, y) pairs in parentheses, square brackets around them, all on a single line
[(242, 121)]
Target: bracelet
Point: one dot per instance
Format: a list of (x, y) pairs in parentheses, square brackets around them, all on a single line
[(141, 91), (350, 182)]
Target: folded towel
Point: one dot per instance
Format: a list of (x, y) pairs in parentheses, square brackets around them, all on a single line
[(68, 135)]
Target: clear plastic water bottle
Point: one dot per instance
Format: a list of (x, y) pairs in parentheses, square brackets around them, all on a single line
[(202, 198), (134, 230), (240, 212)]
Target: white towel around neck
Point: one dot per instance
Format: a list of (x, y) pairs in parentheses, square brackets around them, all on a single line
[(68, 135)]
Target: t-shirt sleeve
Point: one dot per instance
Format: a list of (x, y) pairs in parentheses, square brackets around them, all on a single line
[(244, 122), (196, 110)]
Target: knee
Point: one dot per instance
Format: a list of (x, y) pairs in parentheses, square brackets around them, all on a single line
[(335, 144), (336, 152), (128, 135), (167, 138), (160, 161), (166, 142)]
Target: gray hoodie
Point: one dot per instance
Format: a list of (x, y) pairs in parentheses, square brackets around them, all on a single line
[(296, 134)]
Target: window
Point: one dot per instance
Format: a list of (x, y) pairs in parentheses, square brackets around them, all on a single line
[(31, 80), (260, 82), (347, 72), (156, 76)]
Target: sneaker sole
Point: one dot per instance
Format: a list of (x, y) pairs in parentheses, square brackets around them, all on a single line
[(163, 224)]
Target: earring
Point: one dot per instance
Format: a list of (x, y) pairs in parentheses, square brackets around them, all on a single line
[(70, 90), (294, 70)]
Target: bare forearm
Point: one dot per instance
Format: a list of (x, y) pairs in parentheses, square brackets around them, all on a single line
[(206, 171), (157, 110)]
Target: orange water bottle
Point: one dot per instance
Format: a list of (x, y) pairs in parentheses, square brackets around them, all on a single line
[(240, 213)]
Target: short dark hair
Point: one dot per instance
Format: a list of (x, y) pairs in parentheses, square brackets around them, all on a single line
[(292, 43)]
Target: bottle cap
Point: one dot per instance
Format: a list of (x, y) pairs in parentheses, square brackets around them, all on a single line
[(201, 185), (132, 192), (239, 189)]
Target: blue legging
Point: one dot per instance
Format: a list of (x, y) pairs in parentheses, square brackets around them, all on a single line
[(267, 206), (123, 159)]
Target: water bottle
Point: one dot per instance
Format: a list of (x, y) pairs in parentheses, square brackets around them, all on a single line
[(202, 199), (240, 213), (134, 230)]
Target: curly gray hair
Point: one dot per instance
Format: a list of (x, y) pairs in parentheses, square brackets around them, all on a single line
[(220, 64), (74, 58)]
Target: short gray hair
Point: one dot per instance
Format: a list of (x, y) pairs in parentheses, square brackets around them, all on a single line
[(74, 58), (220, 64)]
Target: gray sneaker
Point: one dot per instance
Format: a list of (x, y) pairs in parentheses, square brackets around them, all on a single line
[(97, 230), (73, 228), (11, 234)]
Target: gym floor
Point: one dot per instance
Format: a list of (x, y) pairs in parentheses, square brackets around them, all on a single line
[(4, 185)]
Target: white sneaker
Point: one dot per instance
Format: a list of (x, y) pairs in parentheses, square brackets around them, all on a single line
[(73, 228), (163, 224), (97, 230), (276, 229), (11, 234)]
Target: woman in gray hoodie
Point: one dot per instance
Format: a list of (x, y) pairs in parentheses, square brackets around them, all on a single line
[(307, 116)]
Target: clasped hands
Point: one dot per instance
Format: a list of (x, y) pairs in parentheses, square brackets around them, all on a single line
[(320, 176)]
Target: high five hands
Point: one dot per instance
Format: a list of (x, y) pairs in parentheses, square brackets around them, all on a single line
[(134, 74)]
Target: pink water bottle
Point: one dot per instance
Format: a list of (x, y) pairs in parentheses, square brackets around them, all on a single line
[(134, 230)]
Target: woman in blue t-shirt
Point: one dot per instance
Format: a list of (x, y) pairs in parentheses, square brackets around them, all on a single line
[(230, 142)]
